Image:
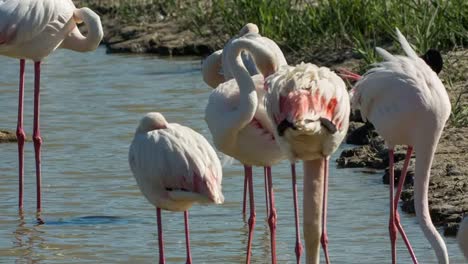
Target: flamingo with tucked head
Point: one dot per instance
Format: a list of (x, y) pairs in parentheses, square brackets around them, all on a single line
[(174, 167), (408, 104), (32, 29)]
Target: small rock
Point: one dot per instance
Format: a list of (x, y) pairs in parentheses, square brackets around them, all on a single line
[(397, 173), (451, 229), (360, 134), (7, 136), (355, 116), (408, 206)]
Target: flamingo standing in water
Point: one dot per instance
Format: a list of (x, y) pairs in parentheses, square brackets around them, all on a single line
[(216, 70), (32, 29), (408, 104), (239, 124), (309, 106), (174, 167)]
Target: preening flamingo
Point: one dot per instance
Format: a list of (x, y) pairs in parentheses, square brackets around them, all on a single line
[(32, 29), (216, 70), (238, 122), (462, 237), (174, 167), (309, 106), (408, 104)]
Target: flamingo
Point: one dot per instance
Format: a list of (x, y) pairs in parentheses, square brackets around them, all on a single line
[(239, 124), (309, 106), (408, 104), (32, 29), (462, 237), (216, 70), (174, 167)]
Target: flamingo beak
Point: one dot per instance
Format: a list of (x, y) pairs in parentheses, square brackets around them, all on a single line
[(328, 125), (285, 124)]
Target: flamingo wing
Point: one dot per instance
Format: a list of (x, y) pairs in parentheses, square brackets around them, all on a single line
[(22, 20)]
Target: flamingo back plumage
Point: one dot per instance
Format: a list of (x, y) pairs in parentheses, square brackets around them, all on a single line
[(175, 167), (315, 102), (32, 29)]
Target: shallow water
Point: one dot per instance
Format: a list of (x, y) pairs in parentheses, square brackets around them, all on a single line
[(93, 210)]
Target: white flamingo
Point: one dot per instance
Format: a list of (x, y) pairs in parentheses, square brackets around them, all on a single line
[(462, 237), (309, 106), (174, 167), (239, 123), (32, 29), (214, 73), (408, 105)]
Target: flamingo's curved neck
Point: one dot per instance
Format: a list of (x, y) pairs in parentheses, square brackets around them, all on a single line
[(76, 41), (248, 100), (424, 155), (313, 196)]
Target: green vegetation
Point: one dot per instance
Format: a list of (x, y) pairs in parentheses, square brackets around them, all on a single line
[(297, 25), (306, 29)]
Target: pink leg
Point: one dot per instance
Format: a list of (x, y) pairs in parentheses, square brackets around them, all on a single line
[(160, 237), (324, 238), (272, 218), (244, 203), (187, 238), (298, 248), (266, 190), (248, 170), (20, 135), (391, 225), (36, 131), (401, 182)]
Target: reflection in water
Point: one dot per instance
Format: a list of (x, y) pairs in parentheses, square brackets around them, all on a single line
[(26, 240), (93, 211), (91, 220)]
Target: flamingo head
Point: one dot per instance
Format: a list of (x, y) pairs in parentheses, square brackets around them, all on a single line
[(152, 121)]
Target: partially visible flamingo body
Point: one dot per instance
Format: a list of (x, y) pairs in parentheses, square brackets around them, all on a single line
[(174, 167), (462, 237), (408, 105), (309, 106), (216, 70), (32, 29), (239, 124)]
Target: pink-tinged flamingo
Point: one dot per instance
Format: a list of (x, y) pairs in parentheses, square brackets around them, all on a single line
[(462, 237), (309, 106), (239, 124), (174, 167), (408, 104), (32, 29), (215, 70)]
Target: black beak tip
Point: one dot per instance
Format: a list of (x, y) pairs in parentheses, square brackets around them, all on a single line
[(328, 125), (285, 124)]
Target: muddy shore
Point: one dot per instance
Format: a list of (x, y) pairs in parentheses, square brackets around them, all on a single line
[(448, 199)]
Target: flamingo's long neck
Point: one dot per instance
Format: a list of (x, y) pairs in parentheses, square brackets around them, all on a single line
[(424, 155), (76, 41), (248, 100), (313, 196)]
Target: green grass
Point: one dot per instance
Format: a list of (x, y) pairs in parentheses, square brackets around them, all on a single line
[(297, 25), (304, 28)]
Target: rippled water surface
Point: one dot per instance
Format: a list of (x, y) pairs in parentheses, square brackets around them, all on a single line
[(93, 210)]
